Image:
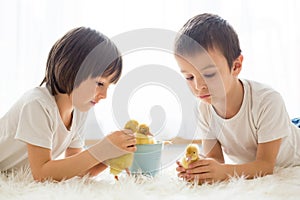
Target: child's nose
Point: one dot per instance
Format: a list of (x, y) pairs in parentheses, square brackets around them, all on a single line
[(200, 84), (101, 94)]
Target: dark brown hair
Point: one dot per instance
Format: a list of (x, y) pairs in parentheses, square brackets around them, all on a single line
[(80, 54), (209, 31)]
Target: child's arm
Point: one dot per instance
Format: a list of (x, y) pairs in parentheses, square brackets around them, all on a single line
[(212, 149), (211, 170), (94, 171), (72, 151), (43, 167)]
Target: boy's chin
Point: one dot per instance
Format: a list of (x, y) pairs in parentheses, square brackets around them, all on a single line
[(84, 109), (207, 101)]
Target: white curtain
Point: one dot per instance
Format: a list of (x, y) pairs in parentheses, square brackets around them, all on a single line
[(269, 33)]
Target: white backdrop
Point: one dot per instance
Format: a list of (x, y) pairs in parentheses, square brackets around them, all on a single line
[(269, 33)]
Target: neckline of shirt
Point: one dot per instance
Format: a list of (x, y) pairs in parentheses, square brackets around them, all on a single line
[(242, 108)]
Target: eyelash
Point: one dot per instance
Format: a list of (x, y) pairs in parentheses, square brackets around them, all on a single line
[(209, 75), (189, 78), (99, 84), (205, 75)]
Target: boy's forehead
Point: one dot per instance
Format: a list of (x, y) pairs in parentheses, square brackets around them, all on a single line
[(102, 78), (105, 78), (200, 61)]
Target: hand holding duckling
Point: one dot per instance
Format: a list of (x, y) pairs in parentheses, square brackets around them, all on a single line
[(117, 165), (191, 155)]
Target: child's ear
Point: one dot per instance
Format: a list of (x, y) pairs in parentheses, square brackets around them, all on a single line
[(237, 66)]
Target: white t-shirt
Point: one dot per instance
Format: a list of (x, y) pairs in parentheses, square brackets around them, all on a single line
[(262, 118), (35, 119)]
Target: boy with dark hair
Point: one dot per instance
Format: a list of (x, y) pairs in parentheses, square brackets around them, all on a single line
[(243, 119)]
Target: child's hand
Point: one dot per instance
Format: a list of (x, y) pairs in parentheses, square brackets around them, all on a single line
[(180, 169), (114, 145), (124, 140), (206, 170)]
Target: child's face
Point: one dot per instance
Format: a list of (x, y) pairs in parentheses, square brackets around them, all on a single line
[(208, 75), (90, 92)]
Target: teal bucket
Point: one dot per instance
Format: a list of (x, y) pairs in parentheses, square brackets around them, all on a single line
[(147, 159)]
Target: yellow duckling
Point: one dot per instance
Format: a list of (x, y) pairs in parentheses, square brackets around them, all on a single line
[(132, 125), (191, 155), (117, 165), (143, 135)]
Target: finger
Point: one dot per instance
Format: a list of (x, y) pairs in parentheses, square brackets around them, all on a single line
[(131, 148), (127, 139), (199, 169), (178, 163), (128, 132), (181, 175), (130, 137), (130, 145), (199, 178), (203, 176), (130, 142), (133, 140), (199, 163), (205, 181), (180, 169)]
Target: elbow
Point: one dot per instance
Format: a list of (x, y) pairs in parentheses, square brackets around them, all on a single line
[(46, 178), (267, 168), (270, 170), (97, 169), (267, 172), (39, 177)]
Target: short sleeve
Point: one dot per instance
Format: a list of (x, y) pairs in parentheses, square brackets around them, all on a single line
[(273, 120), (77, 141), (35, 125)]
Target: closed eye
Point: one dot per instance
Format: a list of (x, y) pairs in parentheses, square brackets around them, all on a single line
[(209, 75), (100, 84), (190, 78)]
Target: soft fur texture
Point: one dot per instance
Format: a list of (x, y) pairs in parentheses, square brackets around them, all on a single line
[(284, 184)]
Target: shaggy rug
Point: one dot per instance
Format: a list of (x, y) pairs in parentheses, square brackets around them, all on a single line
[(283, 184)]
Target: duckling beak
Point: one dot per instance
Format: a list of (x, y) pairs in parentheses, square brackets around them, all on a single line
[(149, 134), (189, 158)]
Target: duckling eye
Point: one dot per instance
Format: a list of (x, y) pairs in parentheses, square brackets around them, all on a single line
[(194, 152)]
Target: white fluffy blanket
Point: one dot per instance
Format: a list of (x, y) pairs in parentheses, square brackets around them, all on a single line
[(284, 184)]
